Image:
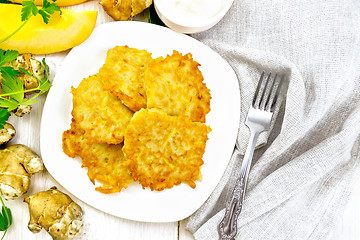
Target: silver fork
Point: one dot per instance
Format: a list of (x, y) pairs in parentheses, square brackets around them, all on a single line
[(258, 120)]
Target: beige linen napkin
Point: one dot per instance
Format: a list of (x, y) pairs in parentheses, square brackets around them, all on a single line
[(301, 179)]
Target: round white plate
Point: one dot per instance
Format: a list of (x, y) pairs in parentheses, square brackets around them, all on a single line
[(135, 203)]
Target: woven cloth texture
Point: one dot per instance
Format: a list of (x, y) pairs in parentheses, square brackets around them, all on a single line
[(304, 170)]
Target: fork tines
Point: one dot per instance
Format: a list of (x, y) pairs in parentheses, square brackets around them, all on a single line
[(267, 92)]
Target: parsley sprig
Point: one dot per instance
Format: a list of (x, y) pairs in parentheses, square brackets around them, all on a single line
[(29, 9), (5, 218), (13, 88)]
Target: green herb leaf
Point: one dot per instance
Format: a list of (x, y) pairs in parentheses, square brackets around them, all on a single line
[(9, 83), (9, 104), (45, 16), (5, 218), (7, 56), (4, 116), (44, 85), (47, 10), (47, 69), (50, 7), (31, 101), (8, 72), (5, 1), (14, 88), (29, 9), (23, 70)]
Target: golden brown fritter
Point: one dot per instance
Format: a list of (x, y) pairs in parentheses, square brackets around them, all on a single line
[(101, 114), (163, 151), (123, 75), (175, 84), (105, 162)]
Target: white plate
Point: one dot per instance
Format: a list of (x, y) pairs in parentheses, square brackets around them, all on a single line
[(135, 203)]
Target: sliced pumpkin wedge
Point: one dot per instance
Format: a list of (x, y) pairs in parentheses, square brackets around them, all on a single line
[(63, 31)]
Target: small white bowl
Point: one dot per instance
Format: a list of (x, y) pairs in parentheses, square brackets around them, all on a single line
[(196, 18)]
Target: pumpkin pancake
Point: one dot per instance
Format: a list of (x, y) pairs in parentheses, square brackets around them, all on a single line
[(175, 84), (99, 113), (123, 75), (105, 162), (163, 151)]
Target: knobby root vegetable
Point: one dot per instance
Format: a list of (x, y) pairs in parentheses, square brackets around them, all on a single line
[(56, 212), (22, 110), (6, 134), (17, 164), (125, 9)]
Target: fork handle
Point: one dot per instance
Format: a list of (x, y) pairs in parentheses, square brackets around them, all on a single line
[(228, 225)]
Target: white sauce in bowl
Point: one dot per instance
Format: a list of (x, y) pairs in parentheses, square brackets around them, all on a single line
[(191, 11)]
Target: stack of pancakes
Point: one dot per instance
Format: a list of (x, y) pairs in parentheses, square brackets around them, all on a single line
[(140, 119)]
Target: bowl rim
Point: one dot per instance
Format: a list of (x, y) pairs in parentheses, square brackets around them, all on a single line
[(198, 24)]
